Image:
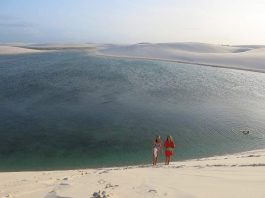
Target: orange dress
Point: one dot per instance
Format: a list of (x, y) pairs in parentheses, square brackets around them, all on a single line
[(169, 148)]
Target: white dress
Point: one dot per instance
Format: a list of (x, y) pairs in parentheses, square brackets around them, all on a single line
[(157, 147)]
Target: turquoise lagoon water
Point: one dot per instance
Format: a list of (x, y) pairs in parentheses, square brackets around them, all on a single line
[(67, 110)]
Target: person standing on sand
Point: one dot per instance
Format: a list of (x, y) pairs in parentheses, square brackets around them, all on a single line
[(157, 146), (169, 145)]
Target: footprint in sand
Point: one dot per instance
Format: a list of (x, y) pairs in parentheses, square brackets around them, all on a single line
[(64, 184), (105, 171), (53, 194), (83, 172), (6, 195), (145, 188), (111, 186), (59, 186), (102, 194), (101, 181), (253, 156), (152, 191)]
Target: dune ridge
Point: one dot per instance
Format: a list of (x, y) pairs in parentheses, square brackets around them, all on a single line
[(9, 50), (243, 57), (12, 49), (236, 57)]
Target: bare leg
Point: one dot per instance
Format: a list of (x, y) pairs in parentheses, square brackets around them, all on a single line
[(156, 159), (169, 159), (166, 161)]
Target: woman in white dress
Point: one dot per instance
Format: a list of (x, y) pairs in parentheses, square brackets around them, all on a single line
[(157, 146)]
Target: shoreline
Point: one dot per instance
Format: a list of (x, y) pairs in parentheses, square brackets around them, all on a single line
[(155, 50), (179, 61), (190, 178), (161, 158)]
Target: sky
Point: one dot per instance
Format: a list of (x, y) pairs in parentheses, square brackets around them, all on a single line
[(133, 21)]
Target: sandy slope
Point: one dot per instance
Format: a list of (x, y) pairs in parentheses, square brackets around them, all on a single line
[(38, 48), (240, 57), (64, 46), (7, 50), (245, 57), (239, 175)]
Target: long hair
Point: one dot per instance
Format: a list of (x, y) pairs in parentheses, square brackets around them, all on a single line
[(169, 138), (157, 140)]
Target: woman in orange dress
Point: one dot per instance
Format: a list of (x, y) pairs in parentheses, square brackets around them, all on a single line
[(169, 145)]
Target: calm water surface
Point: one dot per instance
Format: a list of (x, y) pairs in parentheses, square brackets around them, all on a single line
[(69, 110)]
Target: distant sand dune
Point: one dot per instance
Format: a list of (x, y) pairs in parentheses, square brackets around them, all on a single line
[(8, 50), (84, 46), (40, 48), (239, 57), (245, 57)]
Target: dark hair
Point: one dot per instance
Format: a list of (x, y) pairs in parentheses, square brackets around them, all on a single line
[(157, 138)]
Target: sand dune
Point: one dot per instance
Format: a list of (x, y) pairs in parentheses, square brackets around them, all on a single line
[(64, 46), (238, 175), (249, 57), (8, 50), (40, 48), (239, 57)]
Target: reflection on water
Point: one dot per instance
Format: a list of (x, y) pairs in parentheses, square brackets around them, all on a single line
[(70, 110)]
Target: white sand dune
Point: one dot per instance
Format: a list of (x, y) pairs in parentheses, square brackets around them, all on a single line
[(240, 175), (40, 48), (250, 57), (64, 46), (239, 57), (8, 50)]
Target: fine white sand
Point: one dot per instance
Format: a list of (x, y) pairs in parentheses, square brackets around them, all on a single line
[(238, 57), (64, 46), (239, 175), (251, 57), (8, 50), (39, 48)]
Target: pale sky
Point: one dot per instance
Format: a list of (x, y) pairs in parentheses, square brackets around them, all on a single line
[(133, 21)]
